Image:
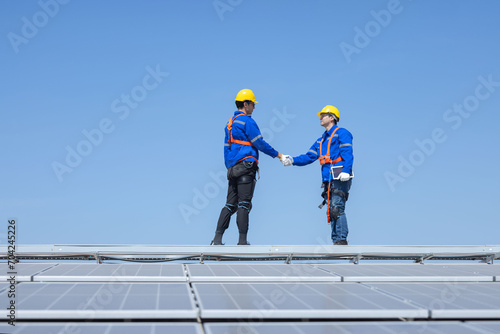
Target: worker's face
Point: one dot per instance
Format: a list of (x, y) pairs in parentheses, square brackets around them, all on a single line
[(326, 120), (249, 107)]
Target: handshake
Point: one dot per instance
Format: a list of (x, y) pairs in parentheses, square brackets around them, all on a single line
[(286, 160)]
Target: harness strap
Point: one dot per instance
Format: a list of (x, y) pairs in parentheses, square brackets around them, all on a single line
[(325, 159), (230, 129), (236, 141), (250, 156)]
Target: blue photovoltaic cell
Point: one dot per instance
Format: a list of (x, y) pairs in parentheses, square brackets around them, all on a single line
[(300, 300), (24, 271), (246, 293), (410, 272), (274, 272), (88, 272), (479, 269), (103, 300), (454, 300), (489, 326)]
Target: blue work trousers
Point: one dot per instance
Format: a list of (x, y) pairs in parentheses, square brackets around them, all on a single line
[(339, 223)]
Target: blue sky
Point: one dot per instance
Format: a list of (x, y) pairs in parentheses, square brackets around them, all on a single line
[(113, 115)]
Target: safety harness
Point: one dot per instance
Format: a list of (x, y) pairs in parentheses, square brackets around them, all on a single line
[(325, 159), (236, 141)]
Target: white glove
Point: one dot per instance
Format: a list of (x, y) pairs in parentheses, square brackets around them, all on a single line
[(344, 176), (286, 160)]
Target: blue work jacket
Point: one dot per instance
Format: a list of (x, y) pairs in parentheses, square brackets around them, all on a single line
[(245, 129), (341, 146)]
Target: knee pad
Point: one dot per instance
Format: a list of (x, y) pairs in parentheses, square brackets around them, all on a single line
[(245, 205), (230, 207), (245, 179), (334, 213), (342, 194)]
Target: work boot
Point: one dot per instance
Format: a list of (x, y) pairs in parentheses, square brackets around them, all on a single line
[(243, 239), (340, 242), (217, 239)]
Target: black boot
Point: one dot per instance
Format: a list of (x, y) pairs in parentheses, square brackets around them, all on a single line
[(217, 239), (243, 239)]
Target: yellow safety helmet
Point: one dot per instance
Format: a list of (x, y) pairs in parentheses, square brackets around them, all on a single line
[(245, 95), (330, 110)]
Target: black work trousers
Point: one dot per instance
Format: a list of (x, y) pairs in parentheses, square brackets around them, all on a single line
[(239, 200)]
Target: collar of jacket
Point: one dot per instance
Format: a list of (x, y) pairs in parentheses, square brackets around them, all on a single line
[(237, 112), (329, 132)]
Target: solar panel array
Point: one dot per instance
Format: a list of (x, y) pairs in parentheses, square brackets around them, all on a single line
[(254, 298)]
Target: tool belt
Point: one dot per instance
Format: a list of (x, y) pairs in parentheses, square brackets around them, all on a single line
[(324, 194), (242, 168)]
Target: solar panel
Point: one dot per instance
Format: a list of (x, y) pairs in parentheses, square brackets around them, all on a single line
[(300, 300), (91, 301), (370, 327), (488, 326), (234, 297), (98, 328), (25, 271), (452, 300), (4, 287), (409, 272), (88, 272), (270, 272), (479, 269)]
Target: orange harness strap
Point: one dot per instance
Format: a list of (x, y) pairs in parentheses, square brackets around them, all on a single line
[(249, 157), (329, 219), (230, 129), (325, 159), (236, 141)]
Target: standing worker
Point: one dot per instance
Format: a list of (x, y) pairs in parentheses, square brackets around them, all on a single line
[(334, 151), (242, 144)]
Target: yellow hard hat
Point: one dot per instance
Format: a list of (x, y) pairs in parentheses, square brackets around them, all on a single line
[(330, 110), (245, 95)]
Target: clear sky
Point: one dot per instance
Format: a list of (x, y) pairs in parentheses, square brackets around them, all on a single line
[(113, 115)]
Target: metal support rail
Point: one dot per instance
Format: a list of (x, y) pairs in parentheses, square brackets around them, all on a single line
[(159, 253)]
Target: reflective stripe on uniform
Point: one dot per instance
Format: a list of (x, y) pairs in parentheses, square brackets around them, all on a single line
[(344, 145), (313, 151), (226, 144), (241, 122), (259, 136), (230, 129)]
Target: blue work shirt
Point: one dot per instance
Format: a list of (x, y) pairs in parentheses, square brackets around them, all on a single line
[(341, 146), (245, 129)]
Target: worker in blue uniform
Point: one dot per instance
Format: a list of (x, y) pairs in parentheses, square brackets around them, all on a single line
[(242, 144), (333, 149)]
